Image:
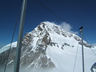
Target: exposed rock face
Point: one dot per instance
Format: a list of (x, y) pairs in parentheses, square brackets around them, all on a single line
[(4, 55), (32, 53)]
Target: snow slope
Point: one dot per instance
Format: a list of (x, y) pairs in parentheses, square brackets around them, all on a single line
[(48, 48)]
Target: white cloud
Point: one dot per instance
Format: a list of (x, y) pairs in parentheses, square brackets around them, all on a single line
[(67, 27)]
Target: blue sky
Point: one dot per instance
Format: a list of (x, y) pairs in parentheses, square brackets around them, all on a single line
[(75, 12)]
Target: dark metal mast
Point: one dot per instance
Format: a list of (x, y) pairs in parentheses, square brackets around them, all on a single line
[(81, 32), (19, 42)]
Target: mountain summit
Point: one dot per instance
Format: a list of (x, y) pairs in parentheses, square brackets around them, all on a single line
[(48, 48)]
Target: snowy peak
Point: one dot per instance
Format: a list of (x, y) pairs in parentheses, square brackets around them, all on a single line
[(55, 30), (47, 47)]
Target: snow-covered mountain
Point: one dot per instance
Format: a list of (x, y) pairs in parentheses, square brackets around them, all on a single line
[(48, 48)]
